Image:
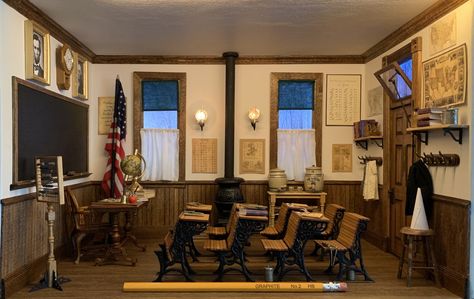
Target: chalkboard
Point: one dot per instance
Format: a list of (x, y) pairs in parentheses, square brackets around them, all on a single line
[(47, 124)]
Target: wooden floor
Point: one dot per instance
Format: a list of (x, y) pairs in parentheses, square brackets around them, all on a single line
[(89, 281)]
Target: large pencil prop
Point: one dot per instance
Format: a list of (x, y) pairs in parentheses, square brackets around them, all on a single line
[(293, 287)]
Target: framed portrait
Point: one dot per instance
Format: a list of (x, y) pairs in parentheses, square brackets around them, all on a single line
[(252, 156), (37, 57), (80, 78), (445, 79), (343, 94)]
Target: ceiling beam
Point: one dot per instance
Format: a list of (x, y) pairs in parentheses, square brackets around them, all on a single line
[(267, 59)]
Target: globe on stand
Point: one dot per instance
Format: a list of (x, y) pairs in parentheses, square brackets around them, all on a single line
[(131, 166)]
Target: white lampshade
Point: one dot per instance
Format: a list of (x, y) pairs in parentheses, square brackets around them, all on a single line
[(201, 117), (254, 115)]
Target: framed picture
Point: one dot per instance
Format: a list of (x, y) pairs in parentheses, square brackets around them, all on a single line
[(342, 158), (445, 78), (37, 57), (80, 78), (252, 156), (343, 93), (106, 114)]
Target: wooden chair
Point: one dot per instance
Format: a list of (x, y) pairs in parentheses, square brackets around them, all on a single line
[(290, 249), (334, 213), (221, 232), (347, 247), (84, 222), (279, 230)]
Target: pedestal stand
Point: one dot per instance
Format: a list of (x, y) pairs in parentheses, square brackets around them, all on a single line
[(50, 278)]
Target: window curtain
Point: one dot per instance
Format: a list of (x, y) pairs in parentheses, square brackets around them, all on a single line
[(296, 151), (160, 149)]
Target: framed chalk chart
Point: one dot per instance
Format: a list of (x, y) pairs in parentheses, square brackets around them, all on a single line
[(46, 123)]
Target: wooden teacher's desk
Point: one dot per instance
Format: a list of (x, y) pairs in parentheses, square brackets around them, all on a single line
[(117, 247), (301, 195)]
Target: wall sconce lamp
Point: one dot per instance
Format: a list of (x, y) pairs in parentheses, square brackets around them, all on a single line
[(254, 114), (201, 117)]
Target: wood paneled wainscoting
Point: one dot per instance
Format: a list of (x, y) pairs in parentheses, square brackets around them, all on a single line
[(24, 229)]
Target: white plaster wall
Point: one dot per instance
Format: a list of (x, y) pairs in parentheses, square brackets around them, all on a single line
[(206, 88), (449, 181), (12, 63)]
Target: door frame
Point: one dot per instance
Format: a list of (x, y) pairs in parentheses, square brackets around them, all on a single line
[(414, 47)]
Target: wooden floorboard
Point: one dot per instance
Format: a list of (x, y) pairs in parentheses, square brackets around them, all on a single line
[(89, 281)]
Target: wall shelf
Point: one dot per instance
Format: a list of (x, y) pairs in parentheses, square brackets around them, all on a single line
[(363, 142), (423, 132)]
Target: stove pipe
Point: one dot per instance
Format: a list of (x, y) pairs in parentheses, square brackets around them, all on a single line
[(228, 191)]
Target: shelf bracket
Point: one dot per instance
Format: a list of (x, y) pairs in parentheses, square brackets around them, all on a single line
[(450, 132), (363, 144), (378, 144), (419, 135)]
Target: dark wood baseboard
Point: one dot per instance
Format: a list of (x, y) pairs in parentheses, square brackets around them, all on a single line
[(377, 240)]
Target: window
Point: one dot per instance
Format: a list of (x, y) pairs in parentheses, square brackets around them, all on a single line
[(296, 104), (159, 108)]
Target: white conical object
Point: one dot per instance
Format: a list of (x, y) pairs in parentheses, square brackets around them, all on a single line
[(419, 220)]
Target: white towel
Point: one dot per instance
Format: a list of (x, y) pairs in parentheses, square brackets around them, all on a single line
[(371, 185)]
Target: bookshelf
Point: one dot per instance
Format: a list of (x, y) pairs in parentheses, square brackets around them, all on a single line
[(423, 132), (363, 142)]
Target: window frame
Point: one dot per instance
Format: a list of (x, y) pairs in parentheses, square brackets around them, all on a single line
[(317, 120), (138, 78)]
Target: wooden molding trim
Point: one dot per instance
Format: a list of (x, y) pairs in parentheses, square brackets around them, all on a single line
[(30, 11), (452, 200), (433, 13), (453, 281), (264, 59)]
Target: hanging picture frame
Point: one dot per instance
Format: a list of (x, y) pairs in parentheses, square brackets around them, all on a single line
[(37, 53), (343, 95), (80, 77), (445, 79)]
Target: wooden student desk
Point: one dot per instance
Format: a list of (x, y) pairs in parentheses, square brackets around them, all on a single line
[(319, 197)]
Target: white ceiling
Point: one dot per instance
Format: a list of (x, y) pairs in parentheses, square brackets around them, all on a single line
[(250, 27)]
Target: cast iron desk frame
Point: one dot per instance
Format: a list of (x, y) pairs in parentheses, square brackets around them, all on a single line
[(186, 228), (246, 226)]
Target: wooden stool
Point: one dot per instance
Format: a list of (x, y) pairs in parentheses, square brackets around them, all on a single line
[(414, 235)]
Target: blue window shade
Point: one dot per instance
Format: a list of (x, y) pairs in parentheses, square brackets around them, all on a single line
[(160, 95), (295, 95)]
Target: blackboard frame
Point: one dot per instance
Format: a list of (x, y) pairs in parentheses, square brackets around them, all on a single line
[(16, 82)]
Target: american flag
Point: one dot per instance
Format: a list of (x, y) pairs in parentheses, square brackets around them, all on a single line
[(113, 181)]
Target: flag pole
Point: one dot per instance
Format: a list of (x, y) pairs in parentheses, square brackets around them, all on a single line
[(112, 167)]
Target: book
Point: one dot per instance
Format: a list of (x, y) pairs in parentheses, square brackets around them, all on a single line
[(251, 212), (428, 116), (428, 123), (430, 110)]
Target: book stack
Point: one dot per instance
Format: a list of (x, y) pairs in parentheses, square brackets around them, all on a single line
[(426, 117), (365, 128)]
